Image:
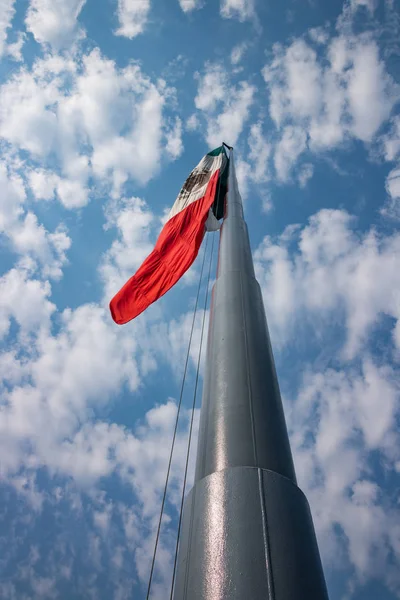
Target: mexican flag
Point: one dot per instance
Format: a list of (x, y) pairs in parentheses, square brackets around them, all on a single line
[(198, 207)]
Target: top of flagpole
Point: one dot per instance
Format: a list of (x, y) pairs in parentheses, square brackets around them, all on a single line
[(243, 389)]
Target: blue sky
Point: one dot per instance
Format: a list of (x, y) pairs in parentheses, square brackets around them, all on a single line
[(105, 107)]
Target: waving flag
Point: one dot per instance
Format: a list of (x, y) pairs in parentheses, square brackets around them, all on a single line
[(198, 206)]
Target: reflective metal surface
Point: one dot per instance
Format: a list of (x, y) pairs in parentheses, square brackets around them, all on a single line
[(242, 421), (247, 531), (248, 534)]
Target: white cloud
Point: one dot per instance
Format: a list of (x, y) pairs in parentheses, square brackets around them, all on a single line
[(305, 173), (256, 168), (393, 184), (392, 207), (84, 363), (335, 424), (174, 140), (72, 194), (288, 149), (24, 300), (371, 91), (342, 93), (238, 52), (133, 221), (319, 35), (225, 107), (54, 22), (189, 5), (266, 205), (25, 119), (244, 175), (113, 151), (303, 78), (92, 126), (260, 150), (213, 87), (12, 198), (60, 375), (192, 124), (170, 339), (369, 4), (228, 125), (7, 12), (71, 373), (391, 140), (26, 236), (14, 50), (333, 272), (243, 10), (132, 16), (31, 239)]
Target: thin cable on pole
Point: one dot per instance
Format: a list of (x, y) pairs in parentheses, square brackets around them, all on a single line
[(192, 417), (176, 426)]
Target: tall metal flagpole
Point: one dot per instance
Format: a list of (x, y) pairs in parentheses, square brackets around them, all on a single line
[(247, 530)]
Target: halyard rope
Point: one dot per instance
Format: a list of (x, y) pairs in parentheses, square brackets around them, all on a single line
[(175, 428), (192, 415), (179, 410)]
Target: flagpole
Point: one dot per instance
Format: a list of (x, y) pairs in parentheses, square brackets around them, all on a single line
[(247, 530)]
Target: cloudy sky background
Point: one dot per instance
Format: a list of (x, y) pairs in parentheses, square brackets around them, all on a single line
[(105, 107)]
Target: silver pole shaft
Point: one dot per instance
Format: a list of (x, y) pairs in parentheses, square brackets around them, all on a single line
[(247, 530)]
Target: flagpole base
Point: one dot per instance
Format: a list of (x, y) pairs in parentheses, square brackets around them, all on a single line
[(248, 534)]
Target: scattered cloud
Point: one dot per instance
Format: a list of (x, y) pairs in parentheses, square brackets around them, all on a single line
[(92, 128), (12, 197), (228, 125), (133, 221), (192, 123), (212, 88), (333, 271), (54, 22), (254, 168), (344, 93), (260, 150), (174, 145), (224, 106), (122, 534), (65, 373), (7, 12), (391, 140), (175, 69), (371, 91), (305, 173), (392, 206), (26, 301), (238, 53), (26, 236), (292, 143), (14, 50), (243, 174), (189, 5), (266, 204), (132, 16), (336, 425), (243, 10), (319, 35), (369, 4)]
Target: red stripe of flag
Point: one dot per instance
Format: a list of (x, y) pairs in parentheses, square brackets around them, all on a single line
[(175, 251)]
